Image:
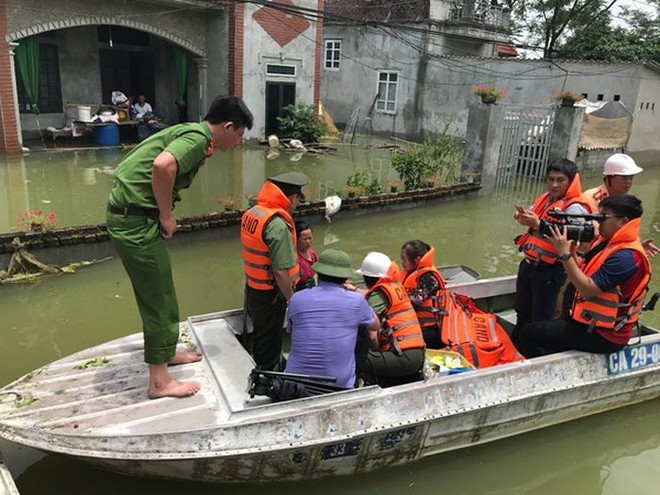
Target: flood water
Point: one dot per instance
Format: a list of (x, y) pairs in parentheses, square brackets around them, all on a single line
[(610, 453)]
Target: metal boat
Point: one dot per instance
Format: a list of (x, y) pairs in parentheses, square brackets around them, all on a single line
[(93, 406)]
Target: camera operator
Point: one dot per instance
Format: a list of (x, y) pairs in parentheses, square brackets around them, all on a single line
[(540, 276), (610, 287)]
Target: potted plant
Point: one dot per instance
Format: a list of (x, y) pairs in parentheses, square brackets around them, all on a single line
[(489, 94), (567, 98), (36, 221)]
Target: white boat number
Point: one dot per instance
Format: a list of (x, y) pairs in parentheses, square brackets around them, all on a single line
[(633, 358)]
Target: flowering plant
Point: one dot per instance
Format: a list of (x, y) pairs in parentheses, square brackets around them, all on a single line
[(36, 220), (489, 94), (567, 97)]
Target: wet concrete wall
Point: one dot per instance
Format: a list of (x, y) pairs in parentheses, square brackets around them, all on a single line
[(71, 244)]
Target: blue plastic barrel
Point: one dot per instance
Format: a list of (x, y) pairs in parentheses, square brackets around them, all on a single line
[(106, 135)]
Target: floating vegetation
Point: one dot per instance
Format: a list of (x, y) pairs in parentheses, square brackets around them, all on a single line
[(99, 361)]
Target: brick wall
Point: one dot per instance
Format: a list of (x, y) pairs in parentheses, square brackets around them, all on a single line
[(236, 48), (364, 10), (9, 138)]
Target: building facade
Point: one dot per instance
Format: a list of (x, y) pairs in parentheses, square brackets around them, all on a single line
[(88, 48)]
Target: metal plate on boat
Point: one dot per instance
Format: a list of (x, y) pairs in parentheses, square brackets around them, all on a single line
[(633, 358)]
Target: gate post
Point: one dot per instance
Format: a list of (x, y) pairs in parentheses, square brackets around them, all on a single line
[(483, 140), (566, 133)]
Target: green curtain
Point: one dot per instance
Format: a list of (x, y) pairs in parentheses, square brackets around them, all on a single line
[(27, 56), (181, 73)]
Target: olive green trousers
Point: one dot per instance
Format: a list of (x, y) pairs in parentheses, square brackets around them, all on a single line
[(147, 261)]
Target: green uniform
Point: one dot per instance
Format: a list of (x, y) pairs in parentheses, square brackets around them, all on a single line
[(267, 308), (137, 237)]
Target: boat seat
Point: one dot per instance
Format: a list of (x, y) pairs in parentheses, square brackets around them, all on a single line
[(230, 364)]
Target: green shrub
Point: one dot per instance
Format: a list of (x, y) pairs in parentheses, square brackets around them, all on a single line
[(299, 121)]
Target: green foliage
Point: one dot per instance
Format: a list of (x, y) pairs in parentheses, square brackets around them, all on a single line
[(299, 121), (439, 156), (361, 182), (374, 187)]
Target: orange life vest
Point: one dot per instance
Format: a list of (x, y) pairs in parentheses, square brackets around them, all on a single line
[(602, 311), (475, 334), (399, 326), (430, 309), (595, 196), (532, 243), (256, 261)]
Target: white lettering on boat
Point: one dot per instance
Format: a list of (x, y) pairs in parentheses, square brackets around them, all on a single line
[(633, 358)]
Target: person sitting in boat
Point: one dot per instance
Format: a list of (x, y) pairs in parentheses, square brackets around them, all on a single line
[(325, 321), (451, 321), (401, 352), (423, 284), (610, 286), (540, 276), (306, 255), (268, 239), (619, 172)]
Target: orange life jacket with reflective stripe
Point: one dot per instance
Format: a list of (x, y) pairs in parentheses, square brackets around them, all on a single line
[(603, 310), (532, 243), (429, 310), (256, 259), (475, 334), (399, 326)]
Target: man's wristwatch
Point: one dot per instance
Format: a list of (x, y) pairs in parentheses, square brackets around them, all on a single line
[(564, 256)]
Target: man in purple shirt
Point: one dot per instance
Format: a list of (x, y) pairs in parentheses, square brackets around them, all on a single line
[(324, 322)]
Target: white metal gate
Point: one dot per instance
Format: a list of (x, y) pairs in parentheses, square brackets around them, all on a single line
[(525, 142)]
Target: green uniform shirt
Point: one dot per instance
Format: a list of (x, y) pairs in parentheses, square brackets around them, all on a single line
[(188, 143), (279, 240), (378, 302)]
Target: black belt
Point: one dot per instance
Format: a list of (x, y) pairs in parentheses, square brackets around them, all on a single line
[(133, 210)]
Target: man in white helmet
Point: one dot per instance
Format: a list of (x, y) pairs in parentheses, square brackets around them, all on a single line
[(618, 174), (401, 354)]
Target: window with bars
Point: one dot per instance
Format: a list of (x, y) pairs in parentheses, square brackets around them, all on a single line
[(50, 91), (387, 89), (332, 54)]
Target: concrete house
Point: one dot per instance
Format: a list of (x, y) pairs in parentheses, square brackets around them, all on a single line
[(411, 66), (172, 51)]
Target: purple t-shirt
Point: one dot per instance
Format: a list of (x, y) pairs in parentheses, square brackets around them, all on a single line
[(323, 322)]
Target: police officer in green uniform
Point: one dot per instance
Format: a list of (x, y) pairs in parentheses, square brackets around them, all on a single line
[(270, 263), (140, 217)]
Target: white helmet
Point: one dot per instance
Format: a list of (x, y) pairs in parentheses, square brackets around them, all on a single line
[(620, 164), (375, 265)]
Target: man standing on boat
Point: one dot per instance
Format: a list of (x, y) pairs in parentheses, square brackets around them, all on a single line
[(611, 286), (619, 172), (325, 322), (140, 217), (540, 276), (268, 237)]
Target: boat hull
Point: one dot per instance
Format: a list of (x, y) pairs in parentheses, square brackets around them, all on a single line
[(101, 415)]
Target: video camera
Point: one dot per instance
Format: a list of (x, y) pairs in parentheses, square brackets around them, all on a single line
[(576, 231)]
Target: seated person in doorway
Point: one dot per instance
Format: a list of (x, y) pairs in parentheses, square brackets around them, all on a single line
[(325, 321), (141, 107), (401, 352), (306, 255), (540, 275), (610, 287), (619, 172), (424, 286)]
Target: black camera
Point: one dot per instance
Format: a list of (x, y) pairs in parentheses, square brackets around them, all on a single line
[(576, 231)]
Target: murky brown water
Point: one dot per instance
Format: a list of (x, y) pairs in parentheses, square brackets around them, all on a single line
[(609, 453)]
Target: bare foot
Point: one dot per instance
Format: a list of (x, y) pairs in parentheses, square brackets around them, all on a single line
[(173, 388), (184, 357)]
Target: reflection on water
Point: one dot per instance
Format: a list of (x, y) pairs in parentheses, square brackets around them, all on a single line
[(61, 315)]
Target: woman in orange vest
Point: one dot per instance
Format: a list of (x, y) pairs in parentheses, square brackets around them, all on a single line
[(611, 286), (424, 285), (540, 277), (401, 355)]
